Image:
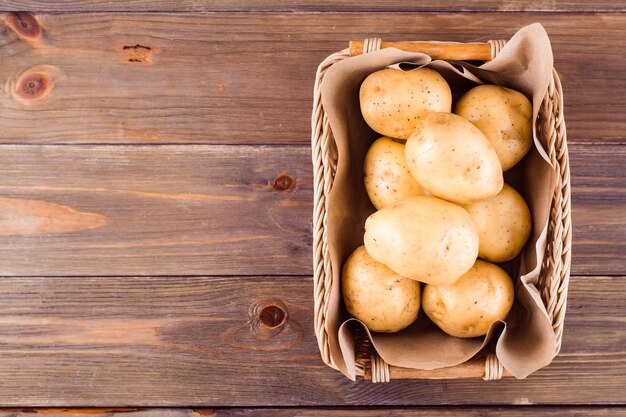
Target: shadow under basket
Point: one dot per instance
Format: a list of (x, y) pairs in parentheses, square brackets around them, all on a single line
[(555, 269)]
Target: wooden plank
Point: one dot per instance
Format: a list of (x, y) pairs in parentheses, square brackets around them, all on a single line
[(99, 412), (201, 341), (520, 411), (98, 210), (203, 209), (507, 411), (309, 5), (598, 212), (248, 77)]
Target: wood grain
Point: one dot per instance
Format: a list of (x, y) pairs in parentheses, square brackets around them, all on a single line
[(507, 411), (202, 209), (310, 5), (155, 274), (32, 217), (248, 78), (185, 341), (598, 181), (101, 210)]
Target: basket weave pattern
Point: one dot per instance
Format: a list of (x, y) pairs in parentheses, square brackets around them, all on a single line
[(554, 275)]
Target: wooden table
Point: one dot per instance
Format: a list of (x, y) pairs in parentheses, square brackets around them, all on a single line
[(156, 196)]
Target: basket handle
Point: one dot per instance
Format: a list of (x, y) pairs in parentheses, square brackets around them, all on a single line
[(487, 368), (473, 51)]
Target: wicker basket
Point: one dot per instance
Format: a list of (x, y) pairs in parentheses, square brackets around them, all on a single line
[(554, 275)]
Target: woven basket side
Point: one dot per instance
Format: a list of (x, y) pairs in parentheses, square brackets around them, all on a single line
[(324, 165), (556, 268)]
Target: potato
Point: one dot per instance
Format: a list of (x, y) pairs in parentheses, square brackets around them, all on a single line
[(387, 178), (423, 238), (504, 116), (468, 307), (393, 101), (452, 159), (503, 225), (380, 298)]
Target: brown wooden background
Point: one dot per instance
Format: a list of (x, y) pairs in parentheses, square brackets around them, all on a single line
[(156, 194)]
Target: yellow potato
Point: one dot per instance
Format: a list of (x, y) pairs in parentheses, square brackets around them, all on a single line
[(387, 178), (468, 307), (503, 225), (504, 116), (380, 298), (452, 159), (393, 101), (423, 238)]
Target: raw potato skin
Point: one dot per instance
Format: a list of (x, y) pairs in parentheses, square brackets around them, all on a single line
[(423, 238), (452, 159), (387, 178), (380, 298), (393, 102), (467, 308), (504, 116), (503, 223)]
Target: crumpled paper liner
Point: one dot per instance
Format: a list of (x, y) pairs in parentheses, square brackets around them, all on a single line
[(525, 341)]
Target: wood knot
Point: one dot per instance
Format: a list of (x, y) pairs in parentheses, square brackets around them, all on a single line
[(268, 318), (283, 182), (272, 316), (138, 54), (25, 26), (33, 85)]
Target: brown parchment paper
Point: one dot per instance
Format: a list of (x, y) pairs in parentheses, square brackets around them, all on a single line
[(525, 341)]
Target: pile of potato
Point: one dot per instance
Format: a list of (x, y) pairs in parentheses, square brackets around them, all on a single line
[(436, 179)]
